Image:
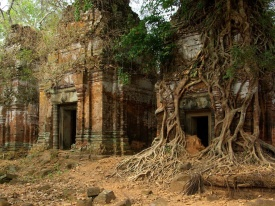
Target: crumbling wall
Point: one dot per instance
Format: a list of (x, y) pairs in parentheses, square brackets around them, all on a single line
[(196, 101), (91, 82), (19, 94)]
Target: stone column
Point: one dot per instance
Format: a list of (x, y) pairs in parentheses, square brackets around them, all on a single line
[(16, 125), (7, 128), (45, 118), (2, 128), (124, 141), (80, 113), (26, 123), (87, 114), (55, 126), (33, 123), (96, 107)]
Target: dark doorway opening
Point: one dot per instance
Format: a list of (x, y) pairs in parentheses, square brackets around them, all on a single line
[(199, 123), (67, 125), (200, 128), (73, 126)]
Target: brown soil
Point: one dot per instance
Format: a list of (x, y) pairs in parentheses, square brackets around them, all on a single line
[(62, 178)]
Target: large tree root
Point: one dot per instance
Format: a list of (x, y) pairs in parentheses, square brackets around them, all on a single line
[(160, 162), (236, 148), (253, 178)]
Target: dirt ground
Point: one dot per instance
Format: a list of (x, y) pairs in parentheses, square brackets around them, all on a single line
[(62, 178)]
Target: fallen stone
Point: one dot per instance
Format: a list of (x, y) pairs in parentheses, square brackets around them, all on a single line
[(106, 196), (7, 178), (126, 202), (87, 202), (261, 202), (93, 191), (159, 202)]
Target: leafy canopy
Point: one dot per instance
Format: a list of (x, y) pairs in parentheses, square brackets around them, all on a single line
[(146, 46), (35, 13)]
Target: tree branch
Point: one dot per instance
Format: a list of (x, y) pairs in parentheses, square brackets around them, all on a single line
[(9, 10), (43, 18)]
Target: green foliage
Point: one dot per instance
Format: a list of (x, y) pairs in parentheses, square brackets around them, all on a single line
[(146, 44), (87, 5), (158, 7), (168, 3), (257, 60), (240, 56), (124, 77), (266, 60), (77, 10), (4, 30), (34, 12), (79, 5), (25, 55)]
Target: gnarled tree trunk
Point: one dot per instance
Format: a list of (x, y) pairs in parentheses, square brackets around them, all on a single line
[(233, 41)]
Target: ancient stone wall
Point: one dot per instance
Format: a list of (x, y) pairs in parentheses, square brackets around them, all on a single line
[(90, 89), (196, 107), (18, 93)]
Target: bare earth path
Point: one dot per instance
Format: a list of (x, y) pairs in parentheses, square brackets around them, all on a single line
[(62, 178)]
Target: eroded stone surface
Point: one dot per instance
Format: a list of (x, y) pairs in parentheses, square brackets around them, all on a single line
[(90, 110), (106, 196)]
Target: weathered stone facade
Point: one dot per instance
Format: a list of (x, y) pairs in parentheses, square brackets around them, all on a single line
[(19, 96), (196, 110), (84, 104), (89, 107)]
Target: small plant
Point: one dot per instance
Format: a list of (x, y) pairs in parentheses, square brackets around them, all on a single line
[(124, 77), (77, 8), (88, 5)]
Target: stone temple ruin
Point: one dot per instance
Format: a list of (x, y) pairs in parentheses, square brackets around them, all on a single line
[(197, 113), (89, 107), (86, 106), (18, 113)]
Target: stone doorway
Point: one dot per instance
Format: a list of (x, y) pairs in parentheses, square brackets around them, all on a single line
[(199, 123), (67, 125)]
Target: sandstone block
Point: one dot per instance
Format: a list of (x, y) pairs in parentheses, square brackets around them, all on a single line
[(106, 196), (87, 202), (126, 202), (7, 178), (93, 191)]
